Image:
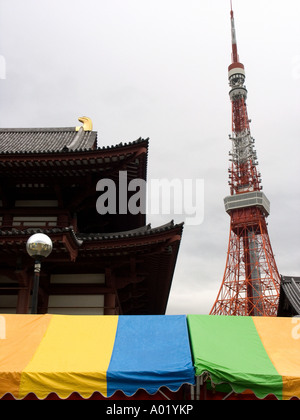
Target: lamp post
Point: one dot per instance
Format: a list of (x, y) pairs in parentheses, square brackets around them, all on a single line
[(38, 246)]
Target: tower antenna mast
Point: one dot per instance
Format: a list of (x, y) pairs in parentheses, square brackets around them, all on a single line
[(235, 56)]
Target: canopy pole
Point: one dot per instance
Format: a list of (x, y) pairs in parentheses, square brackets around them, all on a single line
[(204, 389), (228, 395), (164, 395), (193, 392), (198, 387)]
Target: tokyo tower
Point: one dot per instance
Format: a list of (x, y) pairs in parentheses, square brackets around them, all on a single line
[(251, 282)]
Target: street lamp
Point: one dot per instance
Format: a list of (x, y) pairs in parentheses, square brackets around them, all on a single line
[(38, 246)]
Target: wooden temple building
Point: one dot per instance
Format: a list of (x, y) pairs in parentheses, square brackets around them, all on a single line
[(100, 264)]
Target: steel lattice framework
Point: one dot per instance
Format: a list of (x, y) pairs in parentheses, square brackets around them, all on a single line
[(251, 282)]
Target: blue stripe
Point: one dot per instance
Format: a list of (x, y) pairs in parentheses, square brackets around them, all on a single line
[(150, 352)]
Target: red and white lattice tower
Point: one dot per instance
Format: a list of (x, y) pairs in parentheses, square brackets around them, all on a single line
[(251, 280)]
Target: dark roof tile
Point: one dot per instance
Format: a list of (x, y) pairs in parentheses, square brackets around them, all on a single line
[(81, 237), (22, 140), (290, 291)]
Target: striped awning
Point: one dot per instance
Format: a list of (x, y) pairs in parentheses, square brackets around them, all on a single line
[(45, 354)]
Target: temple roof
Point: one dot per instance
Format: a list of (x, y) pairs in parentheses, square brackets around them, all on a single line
[(9, 236), (25, 140), (68, 161), (289, 304), (134, 233)]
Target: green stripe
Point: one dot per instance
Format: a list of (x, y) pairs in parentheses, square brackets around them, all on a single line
[(230, 349)]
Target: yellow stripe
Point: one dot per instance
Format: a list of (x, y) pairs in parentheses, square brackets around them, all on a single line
[(281, 339), (23, 334), (73, 357)]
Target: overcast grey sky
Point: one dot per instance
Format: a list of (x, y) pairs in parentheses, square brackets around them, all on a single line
[(158, 69)]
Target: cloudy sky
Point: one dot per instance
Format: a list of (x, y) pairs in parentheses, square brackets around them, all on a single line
[(158, 69)]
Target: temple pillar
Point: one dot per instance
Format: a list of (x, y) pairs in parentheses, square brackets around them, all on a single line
[(110, 304), (23, 300)]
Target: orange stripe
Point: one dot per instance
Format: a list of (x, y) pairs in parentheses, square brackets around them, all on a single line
[(281, 339), (23, 334)]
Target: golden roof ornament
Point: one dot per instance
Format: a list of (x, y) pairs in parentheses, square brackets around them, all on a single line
[(87, 124)]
